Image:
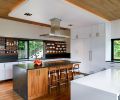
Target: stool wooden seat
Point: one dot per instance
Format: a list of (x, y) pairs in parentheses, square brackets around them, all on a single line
[(62, 75), (76, 70), (70, 72), (52, 77)]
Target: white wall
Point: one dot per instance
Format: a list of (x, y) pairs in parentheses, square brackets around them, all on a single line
[(108, 41), (9, 28), (115, 29), (112, 32)]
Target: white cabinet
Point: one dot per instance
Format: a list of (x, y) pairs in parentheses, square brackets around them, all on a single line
[(6, 70), (80, 52), (9, 70), (97, 54), (2, 71), (89, 48)]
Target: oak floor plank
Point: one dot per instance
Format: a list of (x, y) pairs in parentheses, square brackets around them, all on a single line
[(7, 93)]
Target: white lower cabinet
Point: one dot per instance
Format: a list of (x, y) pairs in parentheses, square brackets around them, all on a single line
[(2, 71), (9, 70), (6, 70)]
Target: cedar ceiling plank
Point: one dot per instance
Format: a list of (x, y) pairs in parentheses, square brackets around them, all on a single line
[(86, 7), (3, 12), (8, 6), (108, 9)]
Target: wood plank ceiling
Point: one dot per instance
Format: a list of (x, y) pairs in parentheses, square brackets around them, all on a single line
[(108, 9), (8, 5)]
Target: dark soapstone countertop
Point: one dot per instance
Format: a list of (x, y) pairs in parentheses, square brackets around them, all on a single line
[(31, 66)]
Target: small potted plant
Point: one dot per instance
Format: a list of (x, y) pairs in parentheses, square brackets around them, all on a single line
[(37, 61)]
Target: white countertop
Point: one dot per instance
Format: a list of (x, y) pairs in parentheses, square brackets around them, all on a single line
[(108, 80)]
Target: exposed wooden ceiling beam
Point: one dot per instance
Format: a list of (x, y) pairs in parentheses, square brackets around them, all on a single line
[(30, 22)]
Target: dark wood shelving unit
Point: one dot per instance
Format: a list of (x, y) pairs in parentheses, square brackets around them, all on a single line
[(2, 46), (11, 46), (8, 46), (55, 47)]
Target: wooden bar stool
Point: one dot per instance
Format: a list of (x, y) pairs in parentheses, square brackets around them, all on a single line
[(76, 70), (70, 72), (62, 75), (52, 78)]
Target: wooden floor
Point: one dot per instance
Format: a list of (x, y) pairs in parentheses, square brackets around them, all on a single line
[(7, 93)]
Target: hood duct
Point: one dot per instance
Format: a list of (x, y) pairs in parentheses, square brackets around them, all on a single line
[(55, 30), (55, 26)]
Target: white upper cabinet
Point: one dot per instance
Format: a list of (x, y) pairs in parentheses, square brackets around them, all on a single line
[(98, 30)]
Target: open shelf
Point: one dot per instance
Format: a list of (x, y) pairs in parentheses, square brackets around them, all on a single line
[(55, 47), (8, 46)]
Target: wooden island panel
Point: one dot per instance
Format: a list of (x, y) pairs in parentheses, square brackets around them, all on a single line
[(30, 81), (37, 83)]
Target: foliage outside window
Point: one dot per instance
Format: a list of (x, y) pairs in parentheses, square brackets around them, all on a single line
[(30, 49), (35, 49), (116, 49), (22, 49)]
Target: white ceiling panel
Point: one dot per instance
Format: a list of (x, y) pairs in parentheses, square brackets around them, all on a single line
[(43, 10)]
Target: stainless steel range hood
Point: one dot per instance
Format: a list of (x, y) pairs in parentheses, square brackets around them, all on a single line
[(55, 29)]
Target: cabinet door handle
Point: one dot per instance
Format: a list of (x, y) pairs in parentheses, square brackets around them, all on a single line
[(37, 72), (90, 55)]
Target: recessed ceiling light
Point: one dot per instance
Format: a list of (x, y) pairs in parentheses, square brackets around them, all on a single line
[(70, 25), (27, 14)]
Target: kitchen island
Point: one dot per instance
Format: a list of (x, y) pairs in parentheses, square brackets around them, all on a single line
[(31, 81), (104, 85)]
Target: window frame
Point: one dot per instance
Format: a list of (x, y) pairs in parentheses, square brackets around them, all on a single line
[(28, 46), (112, 50), (36, 40)]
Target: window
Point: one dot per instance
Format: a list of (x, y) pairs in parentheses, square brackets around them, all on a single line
[(35, 49), (22, 49), (116, 49), (30, 49)]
